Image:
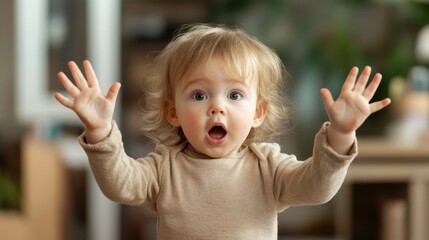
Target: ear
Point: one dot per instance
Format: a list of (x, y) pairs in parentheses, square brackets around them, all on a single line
[(261, 112), (170, 112)]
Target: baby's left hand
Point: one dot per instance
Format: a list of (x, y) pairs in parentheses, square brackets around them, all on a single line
[(352, 107)]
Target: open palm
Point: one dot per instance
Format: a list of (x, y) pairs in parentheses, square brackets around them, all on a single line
[(93, 108), (352, 107)]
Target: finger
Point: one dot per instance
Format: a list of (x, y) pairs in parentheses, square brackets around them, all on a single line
[(362, 80), (63, 100), (350, 79), (112, 94), (67, 84), (377, 106), (372, 87), (327, 98), (77, 75), (90, 74)]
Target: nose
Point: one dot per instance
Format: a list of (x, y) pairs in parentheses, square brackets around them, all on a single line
[(217, 108)]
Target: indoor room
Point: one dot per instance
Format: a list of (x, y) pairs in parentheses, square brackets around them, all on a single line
[(47, 188)]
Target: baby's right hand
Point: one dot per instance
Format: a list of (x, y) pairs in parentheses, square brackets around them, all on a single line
[(93, 108)]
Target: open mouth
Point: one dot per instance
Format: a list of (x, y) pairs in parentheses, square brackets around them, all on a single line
[(217, 132)]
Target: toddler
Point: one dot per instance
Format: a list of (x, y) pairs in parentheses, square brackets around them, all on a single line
[(213, 102)]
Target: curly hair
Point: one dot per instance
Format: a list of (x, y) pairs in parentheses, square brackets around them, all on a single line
[(243, 54)]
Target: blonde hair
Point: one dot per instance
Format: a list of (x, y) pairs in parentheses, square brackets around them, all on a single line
[(241, 53)]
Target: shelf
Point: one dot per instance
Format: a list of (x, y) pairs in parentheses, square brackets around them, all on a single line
[(384, 174), (389, 150)]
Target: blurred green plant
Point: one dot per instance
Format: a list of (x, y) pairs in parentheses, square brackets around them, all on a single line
[(9, 193), (331, 36)]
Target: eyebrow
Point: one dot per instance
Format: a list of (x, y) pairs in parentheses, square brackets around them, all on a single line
[(197, 80), (185, 84)]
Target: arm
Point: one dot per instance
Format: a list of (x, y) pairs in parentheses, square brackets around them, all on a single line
[(351, 108), (93, 108), (121, 178), (313, 181)]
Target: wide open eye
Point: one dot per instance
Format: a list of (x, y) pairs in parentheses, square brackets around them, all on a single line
[(235, 95), (199, 96)]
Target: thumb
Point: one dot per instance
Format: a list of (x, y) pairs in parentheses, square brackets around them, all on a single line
[(112, 94), (327, 98)]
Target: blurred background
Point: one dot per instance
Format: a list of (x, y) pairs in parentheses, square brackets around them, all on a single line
[(47, 190)]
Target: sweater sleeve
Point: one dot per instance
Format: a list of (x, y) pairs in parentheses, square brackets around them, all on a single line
[(120, 177), (310, 182)]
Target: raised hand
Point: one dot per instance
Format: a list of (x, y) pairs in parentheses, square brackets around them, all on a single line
[(93, 108), (348, 112)]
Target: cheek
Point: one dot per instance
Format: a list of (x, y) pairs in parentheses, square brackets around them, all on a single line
[(246, 109), (189, 116), (244, 115), (192, 126)]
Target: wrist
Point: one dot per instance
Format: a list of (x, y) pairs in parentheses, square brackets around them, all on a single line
[(335, 131), (340, 141), (94, 135)]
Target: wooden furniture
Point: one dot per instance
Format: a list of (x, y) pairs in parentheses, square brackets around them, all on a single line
[(387, 180), (43, 196)]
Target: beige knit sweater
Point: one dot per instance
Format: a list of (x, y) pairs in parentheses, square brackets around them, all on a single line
[(236, 197)]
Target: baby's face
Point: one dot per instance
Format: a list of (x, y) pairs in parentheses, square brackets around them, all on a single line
[(215, 110)]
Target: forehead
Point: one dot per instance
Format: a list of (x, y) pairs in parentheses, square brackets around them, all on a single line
[(218, 67)]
